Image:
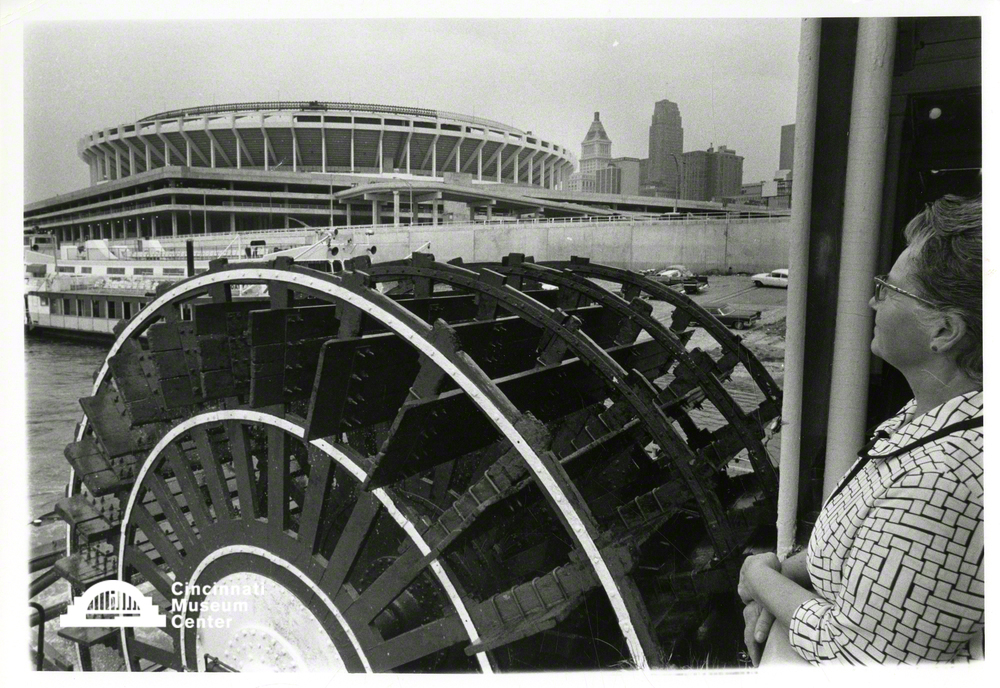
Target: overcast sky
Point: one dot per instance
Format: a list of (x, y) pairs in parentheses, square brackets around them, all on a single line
[(733, 79)]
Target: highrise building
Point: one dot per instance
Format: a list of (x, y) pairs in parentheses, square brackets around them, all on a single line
[(596, 148), (666, 139), (712, 174), (787, 155), (621, 176)]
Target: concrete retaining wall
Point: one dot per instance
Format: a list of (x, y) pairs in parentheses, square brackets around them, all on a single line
[(710, 245)]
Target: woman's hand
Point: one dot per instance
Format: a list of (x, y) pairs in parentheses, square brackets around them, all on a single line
[(757, 624), (767, 560)]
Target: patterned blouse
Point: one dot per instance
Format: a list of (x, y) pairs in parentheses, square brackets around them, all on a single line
[(897, 554)]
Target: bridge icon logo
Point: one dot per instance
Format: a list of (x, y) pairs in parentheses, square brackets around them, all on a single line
[(113, 603)]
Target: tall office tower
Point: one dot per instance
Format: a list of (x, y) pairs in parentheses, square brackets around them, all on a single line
[(712, 174), (666, 137), (596, 148), (787, 156)]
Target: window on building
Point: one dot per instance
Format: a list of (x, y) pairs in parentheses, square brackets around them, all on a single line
[(67, 308), (126, 310), (86, 270), (142, 271), (112, 309), (173, 271), (66, 268), (116, 271), (97, 309), (85, 306)]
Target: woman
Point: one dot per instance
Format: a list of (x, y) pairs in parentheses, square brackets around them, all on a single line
[(894, 567)]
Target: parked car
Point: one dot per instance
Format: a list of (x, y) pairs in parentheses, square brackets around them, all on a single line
[(679, 276), (737, 318), (775, 278)]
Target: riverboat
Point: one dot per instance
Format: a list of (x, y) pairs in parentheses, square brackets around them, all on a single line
[(82, 290)]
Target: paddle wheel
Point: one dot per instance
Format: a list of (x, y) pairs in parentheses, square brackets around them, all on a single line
[(418, 466)]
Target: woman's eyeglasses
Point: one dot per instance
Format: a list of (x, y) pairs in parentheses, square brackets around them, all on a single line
[(882, 287)]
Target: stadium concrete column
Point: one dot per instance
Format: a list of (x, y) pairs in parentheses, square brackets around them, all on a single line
[(381, 166), (376, 217), (152, 226), (131, 159), (395, 208), (348, 213), (479, 163), (517, 167), (187, 150), (149, 159), (434, 213), (409, 136), (173, 222), (499, 165), (434, 156), (232, 222), (322, 136), (352, 144)]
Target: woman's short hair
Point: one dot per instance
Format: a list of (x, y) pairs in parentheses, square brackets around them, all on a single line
[(947, 238)]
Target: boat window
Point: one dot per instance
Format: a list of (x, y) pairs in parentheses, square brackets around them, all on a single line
[(142, 271), (116, 271), (44, 300), (112, 309), (67, 308), (85, 308), (86, 270), (97, 308), (126, 310), (66, 268), (57, 307)]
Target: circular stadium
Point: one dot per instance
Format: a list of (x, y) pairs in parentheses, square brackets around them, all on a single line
[(332, 137)]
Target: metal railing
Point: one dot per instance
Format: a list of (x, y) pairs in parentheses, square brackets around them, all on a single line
[(308, 105)]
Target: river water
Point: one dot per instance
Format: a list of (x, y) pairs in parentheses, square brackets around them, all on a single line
[(58, 373)]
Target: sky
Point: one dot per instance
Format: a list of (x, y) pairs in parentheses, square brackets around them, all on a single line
[(733, 79)]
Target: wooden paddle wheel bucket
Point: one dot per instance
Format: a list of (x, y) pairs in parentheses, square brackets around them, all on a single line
[(418, 466)]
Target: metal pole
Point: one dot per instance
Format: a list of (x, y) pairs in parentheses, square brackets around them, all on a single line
[(798, 267), (862, 219), (677, 180)]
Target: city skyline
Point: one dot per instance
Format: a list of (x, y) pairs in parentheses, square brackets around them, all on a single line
[(113, 73)]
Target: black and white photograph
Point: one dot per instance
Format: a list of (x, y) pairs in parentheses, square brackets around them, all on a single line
[(637, 342)]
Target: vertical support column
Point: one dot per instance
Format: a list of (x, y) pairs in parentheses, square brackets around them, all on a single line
[(395, 208), (267, 149), (381, 135), (458, 156), (322, 133), (152, 226), (499, 166), (479, 164), (149, 156), (517, 167), (211, 153), (434, 212), (434, 157), (862, 209), (187, 149), (409, 140), (232, 222), (349, 214), (376, 218), (131, 160), (173, 223), (531, 169), (798, 264), (352, 144)]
